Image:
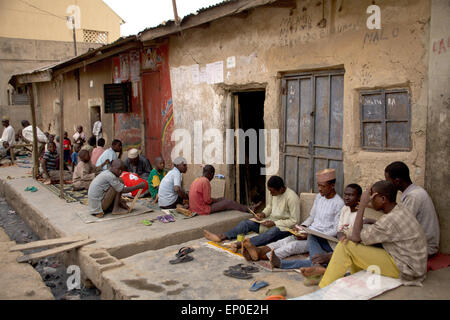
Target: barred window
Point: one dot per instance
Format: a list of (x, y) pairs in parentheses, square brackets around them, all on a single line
[(92, 36), (385, 120)]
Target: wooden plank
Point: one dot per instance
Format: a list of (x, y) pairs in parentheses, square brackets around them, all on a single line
[(61, 136), (236, 150), (47, 243), (134, 201), (54, 251), (35, 141)]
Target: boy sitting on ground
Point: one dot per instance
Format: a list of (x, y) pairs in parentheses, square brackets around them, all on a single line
[(281, 212), (105, 191), (200, 200), (155, 177), (85, 172), (404, 246)]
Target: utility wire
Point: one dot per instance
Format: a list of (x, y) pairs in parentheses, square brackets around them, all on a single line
[(42, 10)]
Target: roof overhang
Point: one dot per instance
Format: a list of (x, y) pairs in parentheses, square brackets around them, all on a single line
[(224, 9)]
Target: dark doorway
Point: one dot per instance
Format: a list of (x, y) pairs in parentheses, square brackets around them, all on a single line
[(249, 108)]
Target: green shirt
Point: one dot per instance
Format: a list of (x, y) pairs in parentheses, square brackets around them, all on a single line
[(154, 179)]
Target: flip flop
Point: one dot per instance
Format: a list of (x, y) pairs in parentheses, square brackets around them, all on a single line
[(33, 189), (280, 291), (258, 285), (181, 259), (237, 274), (162, 219), (184, 251), (146, 222), (169, 218), (246, 269)]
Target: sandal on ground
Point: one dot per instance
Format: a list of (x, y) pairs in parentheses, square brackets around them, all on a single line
[(237, 274), (184, 251), (258, 285), (247, 269), (181, 259)]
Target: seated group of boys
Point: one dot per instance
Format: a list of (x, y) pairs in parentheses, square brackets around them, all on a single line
[(399, 242)]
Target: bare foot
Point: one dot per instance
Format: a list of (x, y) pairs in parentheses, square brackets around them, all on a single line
[(275, 262), (123, 205), (235, 246), (211, 236), (246, 254), (119, 211), (252, 250), (313, 271), (100, 215)]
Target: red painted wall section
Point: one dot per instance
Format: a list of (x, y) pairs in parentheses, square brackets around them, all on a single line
[(157, 60)]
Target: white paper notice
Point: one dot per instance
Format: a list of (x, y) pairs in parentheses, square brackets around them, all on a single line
[(203, 76), (215, 72), (195, 73), (231, 62)]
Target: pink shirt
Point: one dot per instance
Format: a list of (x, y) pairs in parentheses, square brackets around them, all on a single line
[(96, 153), (200, 196)]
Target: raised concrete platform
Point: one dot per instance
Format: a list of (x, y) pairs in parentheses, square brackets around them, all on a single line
[(131, 261), (52, 217)]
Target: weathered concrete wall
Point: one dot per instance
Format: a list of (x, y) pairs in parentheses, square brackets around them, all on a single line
[(269, 40), (437, 171), (23, 55), (77, 112), (16, 114)]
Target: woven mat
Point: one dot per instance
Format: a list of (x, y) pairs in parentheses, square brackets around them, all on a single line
[(69, 194), (87, 217)]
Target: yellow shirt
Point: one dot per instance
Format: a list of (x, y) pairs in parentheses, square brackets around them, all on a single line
[(283, 210)]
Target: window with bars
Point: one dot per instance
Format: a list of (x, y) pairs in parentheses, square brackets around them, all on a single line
[(385, 120), (92, 36)]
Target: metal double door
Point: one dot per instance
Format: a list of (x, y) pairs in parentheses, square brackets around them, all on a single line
[(312, 115)]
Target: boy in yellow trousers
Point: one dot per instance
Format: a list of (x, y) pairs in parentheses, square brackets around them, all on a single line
[(404, 247)]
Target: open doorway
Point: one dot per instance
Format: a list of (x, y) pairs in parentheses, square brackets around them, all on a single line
[(249, 114), (95, 115)]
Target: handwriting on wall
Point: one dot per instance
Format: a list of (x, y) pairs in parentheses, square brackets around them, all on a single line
[(376, 36), (442, 45)]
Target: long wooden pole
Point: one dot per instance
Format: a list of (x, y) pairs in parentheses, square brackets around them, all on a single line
[(61, 136), (35, 140), (175, 12)]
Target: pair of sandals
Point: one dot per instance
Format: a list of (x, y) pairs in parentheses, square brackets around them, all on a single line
[(166, 218), (183, 255), (31, 189), (240, 272)]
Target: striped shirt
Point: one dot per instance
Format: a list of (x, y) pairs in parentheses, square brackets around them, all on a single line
[(417, 200), (403, 238), (324, 215), (51, 159)]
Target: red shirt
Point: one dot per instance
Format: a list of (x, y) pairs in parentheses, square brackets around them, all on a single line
[(200, 196), (131, 180), (66, 144)]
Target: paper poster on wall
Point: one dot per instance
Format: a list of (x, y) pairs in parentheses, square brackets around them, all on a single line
[(124, 67), (116, 69), (134, 65), (215, 72), (202, 76), (231, 62), (195, 73)]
